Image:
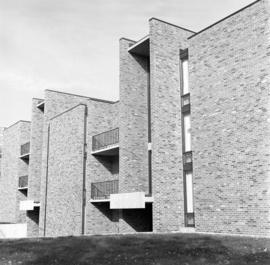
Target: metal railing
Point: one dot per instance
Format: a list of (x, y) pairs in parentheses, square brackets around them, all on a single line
[(105, 139), (102, 190), (25, 149), (23, 182)]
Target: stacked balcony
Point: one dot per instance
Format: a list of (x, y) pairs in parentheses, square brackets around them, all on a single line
[(23, 183), (41, 105), (106, 143), (25, 151), (101, 191)]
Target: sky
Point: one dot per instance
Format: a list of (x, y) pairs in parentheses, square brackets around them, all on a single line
[(72, 45)]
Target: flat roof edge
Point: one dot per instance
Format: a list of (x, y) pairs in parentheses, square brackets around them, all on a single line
[(223, 19), (171, 24), (123, 38), (76, 95), (140, 41), (68, 110), (5, 128), (66, 93)]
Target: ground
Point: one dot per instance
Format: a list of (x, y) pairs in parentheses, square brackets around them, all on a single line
[(146, 249)]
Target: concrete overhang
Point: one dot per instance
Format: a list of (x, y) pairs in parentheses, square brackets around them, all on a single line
[(141, 47), (23, 188), (25, 156), (41, 105), (28, 205), (133, 200), (111, 150)]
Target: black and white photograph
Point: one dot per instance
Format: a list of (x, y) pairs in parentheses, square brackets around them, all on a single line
[(134, 132)]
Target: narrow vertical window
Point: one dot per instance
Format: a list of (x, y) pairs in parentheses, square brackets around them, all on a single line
[(185, 76), (187, 133), (186, 140)]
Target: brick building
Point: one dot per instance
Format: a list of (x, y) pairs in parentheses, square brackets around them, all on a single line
[(1, 144), (186, 149)]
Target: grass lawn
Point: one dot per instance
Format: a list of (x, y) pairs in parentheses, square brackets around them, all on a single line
[(171, 249)]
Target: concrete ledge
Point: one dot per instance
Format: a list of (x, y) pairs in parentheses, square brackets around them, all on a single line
[(101, 200), (110, 150), (28, 205), (13, 230)]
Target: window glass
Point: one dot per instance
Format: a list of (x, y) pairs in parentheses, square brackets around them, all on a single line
[(185, 76), (187, 133), (189, 192)]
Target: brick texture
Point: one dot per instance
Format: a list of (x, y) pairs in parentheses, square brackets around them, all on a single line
[(229, 82), (133, 121), (34, 178), (1, 144), (65, 174), (13, 167), (102, 117), (167, 174), (55, 103)]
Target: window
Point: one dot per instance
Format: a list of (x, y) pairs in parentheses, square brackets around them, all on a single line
[(186, 135), (185, 77)]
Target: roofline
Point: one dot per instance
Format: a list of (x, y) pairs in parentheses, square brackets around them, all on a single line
[(5, 128), (140, 41), (70, 94), (102, 100), (225, 18), (123, 38), (76, 95), (38, 98), (171, 24), (68, 110)]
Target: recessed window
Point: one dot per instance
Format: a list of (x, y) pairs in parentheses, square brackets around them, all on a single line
[(185, 77), (186, 134)]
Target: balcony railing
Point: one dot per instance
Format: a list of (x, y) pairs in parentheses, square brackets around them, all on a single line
[(23, 182), (25, 149), (185, 103), (187, 161), (105, 140), (102, 190)]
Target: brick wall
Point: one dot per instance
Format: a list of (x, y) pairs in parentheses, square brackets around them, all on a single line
[(34, 177), (133, 121), (36, 151), (65, 174), (55, 103), (133, 112), (23, 170), (167, 175), (1, 144), (102, 117), (13, 167), (229, 83)]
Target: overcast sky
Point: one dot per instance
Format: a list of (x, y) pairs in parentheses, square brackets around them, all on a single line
[(72, 45)]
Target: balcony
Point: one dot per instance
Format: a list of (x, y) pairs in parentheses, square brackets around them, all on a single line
[(187, 161), (101, 191), (185, 99), (41, 105), (29, 205), (23, 183), (106, 144), (25, 151)]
